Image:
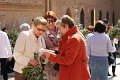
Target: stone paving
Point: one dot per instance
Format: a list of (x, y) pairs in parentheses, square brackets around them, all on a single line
[(11, 75), (117, 70)]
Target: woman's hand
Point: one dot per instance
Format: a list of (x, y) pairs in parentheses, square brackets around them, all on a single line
[(47, 53), (33, 62)]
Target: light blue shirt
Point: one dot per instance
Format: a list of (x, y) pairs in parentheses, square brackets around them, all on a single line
[(99, 44)]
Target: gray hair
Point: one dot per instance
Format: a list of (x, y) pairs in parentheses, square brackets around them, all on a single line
[(65, 19), (24, 27)]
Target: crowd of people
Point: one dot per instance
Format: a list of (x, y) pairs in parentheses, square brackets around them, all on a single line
[(78, 57)]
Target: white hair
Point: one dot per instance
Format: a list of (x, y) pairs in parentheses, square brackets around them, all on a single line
[(24, 27)]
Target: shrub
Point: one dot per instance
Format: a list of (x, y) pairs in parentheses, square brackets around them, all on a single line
[(13, 37)]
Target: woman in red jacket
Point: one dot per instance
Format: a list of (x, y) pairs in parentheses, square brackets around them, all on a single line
[(72, 55)]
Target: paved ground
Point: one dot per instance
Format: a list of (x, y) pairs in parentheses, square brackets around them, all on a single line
[(117, 70), (11, 75)]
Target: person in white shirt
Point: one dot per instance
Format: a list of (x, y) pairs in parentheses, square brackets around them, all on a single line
[(29, 42), (5, 53), (98, 46)]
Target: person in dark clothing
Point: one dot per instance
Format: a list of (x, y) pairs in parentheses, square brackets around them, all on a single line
[(114, 64)]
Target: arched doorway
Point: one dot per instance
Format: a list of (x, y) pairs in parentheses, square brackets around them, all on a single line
[(100, 15), (92, 17), (113, 18), (68, 12), (107, 15), (82, 17)]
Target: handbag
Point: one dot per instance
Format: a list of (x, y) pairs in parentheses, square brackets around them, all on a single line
[(111, 60), (56, 66)]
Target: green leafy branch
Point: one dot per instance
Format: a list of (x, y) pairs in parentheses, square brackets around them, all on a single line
[(34, 73)]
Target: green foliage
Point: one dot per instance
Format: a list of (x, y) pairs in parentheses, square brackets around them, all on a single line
[(85, 32), (13, 37), (34, 73), (115, 32), (80, 26)]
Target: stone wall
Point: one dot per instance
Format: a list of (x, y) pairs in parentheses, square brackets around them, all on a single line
[(60, 7), (15, 12), (116, 6)]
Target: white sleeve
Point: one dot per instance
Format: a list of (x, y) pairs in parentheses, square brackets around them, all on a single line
[(8, 46), (19, 49), (111, 48)]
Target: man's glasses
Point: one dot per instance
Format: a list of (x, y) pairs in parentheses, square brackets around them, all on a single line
[(50, 21)]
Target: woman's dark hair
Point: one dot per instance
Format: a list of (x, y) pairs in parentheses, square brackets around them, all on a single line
[(100, 27), (50, 14), (4, 29), (65, 19), (90, 28)]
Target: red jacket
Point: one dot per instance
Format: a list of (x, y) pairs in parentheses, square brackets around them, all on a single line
[(72, 57)]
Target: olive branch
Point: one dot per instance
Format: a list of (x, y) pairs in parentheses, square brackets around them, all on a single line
[(34, 73)]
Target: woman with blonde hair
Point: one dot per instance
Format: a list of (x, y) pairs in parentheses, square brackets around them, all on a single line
[(27, 43)]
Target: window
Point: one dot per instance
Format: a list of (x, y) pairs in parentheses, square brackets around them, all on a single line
[(68, 12), (113, 18), (107, 15), (82, 17), (100, 15), (92, 17)]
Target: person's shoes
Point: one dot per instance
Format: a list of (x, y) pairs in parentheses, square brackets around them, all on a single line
[(10, 71), (114, 75), (109, 74)]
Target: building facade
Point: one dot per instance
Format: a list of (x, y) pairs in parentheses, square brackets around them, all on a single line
[(15, 12)]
